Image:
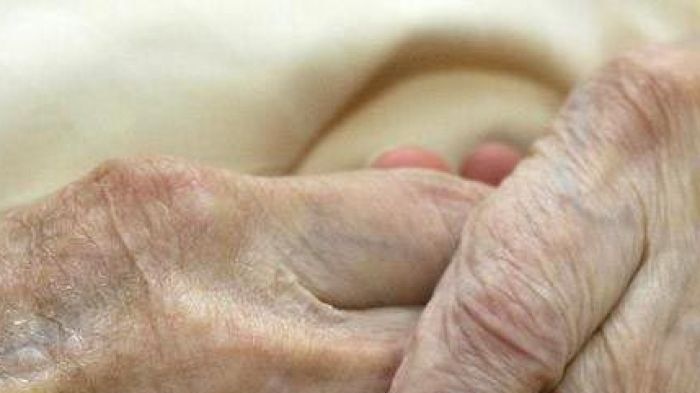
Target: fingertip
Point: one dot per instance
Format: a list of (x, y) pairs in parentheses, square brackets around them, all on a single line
[(410, 157), (490, 163)]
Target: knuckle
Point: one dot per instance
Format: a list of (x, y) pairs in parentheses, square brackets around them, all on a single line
[(639, 101), (659, 82), (147, 178), (122, 207), (155, 189), (666, 63), (155, 200), (660, 85)]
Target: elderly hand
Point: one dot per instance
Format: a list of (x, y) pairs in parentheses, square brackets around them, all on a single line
[(581, 274), (160, 276)]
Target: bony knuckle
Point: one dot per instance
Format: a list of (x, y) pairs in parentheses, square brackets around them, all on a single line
[(638, 103), (147, 176), (661, 83)]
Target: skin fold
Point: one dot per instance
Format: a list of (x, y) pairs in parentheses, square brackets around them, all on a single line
[(580, 274), (156, 275)]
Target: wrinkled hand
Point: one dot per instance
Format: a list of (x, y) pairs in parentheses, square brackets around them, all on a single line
[(581, 274), (160, 276)]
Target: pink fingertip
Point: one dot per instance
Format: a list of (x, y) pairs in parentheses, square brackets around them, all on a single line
[(411, 157), (490, 163)]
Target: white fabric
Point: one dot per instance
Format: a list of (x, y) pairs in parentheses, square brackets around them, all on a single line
[(275, 87)]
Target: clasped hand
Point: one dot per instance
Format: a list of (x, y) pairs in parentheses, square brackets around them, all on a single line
[(579, 274)]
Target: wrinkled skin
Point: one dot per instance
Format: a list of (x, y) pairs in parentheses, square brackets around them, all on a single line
[(581, 273), (154, 275)]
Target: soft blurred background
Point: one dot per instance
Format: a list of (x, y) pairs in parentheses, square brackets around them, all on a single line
[(298, 86)]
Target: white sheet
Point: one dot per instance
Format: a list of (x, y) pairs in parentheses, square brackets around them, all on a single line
[(276, 87)]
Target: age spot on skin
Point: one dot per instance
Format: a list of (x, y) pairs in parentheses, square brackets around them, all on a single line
[(28, 344), (26, 364)]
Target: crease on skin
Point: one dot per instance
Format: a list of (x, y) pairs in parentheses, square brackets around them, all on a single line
[(27, 336), (306, 244), (509, 261), (330, 312), (618, 378), (679, 302), (448, 322), (499, 334), (455, 235), (66, 364), (412, 190), (265, 213), (490, 327), (642, 207), (133, 259), (676, 317), (538, 290)]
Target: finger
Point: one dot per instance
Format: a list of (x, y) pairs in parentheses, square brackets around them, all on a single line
[(355, 240), (369, 239), (490, 163), (548, 256), (411, 157), (368, 243), (205, 260)]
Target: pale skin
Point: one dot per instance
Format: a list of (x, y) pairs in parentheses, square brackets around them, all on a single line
[(578, 274), (156, 275)]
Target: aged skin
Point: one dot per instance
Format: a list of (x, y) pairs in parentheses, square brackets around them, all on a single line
[(155, 275), (581, 273)]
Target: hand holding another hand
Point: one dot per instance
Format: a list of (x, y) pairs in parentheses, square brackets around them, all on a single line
[(161, 276), (581, 273)]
